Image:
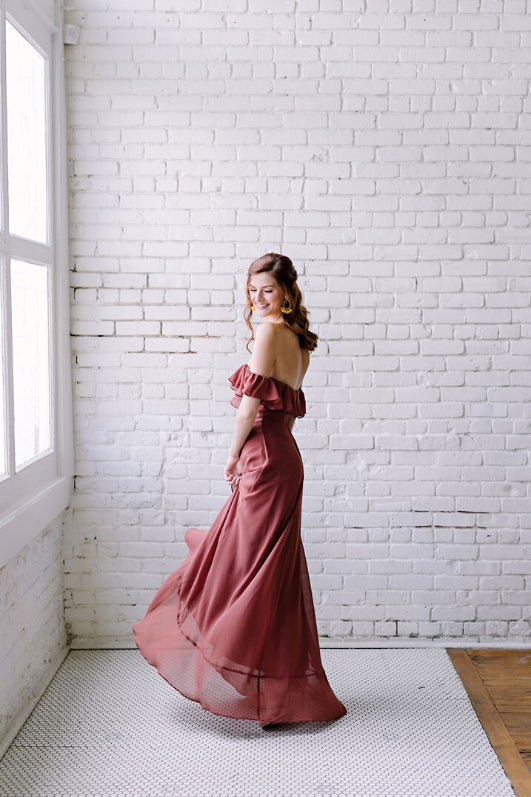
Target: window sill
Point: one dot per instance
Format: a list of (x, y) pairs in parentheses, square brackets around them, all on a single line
[(29, 518)]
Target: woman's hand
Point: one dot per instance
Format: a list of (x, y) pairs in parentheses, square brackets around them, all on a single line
[(233, 471)]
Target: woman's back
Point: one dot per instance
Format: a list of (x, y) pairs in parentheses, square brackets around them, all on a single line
[(289, 361)]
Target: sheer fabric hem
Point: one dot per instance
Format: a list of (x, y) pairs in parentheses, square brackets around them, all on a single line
[(227, 689)]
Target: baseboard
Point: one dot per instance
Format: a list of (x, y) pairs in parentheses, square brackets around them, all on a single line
[(451, 642), (102, 643), (24, 713), (108, 643)]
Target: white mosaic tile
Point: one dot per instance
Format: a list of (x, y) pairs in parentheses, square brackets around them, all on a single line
[(109, 725)]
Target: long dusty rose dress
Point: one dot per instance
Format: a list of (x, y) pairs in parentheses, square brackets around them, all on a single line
[(234, 627)]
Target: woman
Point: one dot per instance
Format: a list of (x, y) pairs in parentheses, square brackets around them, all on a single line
[(234, 627)]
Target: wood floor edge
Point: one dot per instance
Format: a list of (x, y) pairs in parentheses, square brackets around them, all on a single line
[(493, 725)]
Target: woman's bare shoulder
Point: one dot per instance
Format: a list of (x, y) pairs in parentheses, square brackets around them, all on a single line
[(265, 329), (265, 348), (272, 335)]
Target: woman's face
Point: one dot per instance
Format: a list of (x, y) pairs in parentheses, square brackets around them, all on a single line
[(266, 295)]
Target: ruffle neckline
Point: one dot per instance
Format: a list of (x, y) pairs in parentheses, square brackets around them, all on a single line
[(273, 394)]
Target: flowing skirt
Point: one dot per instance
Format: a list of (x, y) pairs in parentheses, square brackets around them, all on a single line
[(234, 627)]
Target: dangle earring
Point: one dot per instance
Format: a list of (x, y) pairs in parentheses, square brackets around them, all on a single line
[(253, 308), (286, 307)]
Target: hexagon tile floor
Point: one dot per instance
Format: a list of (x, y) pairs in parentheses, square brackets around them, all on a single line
[(109, 725)]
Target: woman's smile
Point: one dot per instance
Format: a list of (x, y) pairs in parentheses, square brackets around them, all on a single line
[(266, 296)]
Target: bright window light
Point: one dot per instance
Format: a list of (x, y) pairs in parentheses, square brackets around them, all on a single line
[(31, 360), (26, 137)]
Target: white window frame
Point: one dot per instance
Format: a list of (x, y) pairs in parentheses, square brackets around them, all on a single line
[(32, 498)]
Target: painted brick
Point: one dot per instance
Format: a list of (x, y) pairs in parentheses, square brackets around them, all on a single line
[(386, 155), (32, 624)]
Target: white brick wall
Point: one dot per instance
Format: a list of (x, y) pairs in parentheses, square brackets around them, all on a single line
[(32, 631), (384, 146)]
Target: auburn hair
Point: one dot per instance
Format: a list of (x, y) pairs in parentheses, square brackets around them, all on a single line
[(283, 271)]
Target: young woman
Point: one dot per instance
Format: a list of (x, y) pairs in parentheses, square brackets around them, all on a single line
[(234, 627)]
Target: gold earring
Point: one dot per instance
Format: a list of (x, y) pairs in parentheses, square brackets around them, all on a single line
[(286, 307), (253, 308)]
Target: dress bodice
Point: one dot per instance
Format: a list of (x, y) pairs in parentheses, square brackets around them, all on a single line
[(273, 394)]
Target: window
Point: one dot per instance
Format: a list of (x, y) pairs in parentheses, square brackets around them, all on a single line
[(35, 415)]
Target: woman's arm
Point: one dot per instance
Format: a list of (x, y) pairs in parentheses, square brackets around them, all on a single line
[(242, 426), (262, 360)]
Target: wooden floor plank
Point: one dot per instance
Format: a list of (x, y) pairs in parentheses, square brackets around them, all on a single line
[(469, 666), (507, 677)]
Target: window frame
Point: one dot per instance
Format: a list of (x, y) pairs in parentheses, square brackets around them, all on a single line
[(36, 494)]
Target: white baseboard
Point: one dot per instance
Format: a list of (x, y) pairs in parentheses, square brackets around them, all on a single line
[(103, 643), (107, 643), (328, 642)]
